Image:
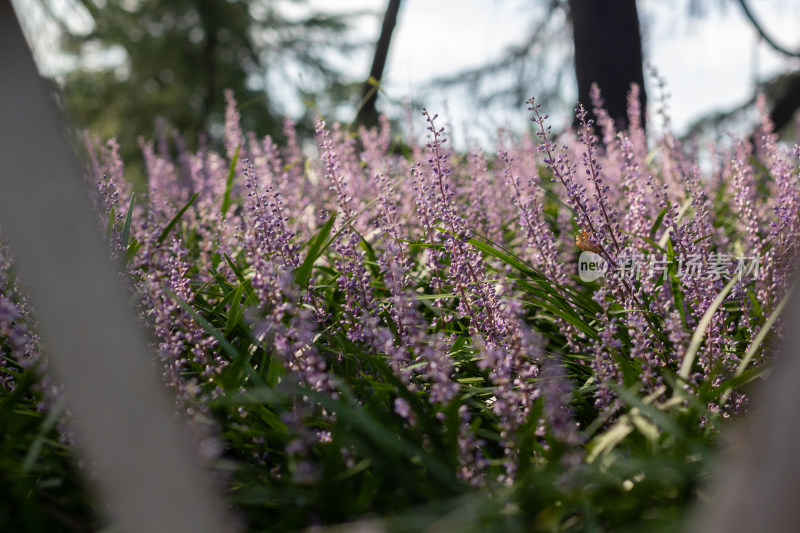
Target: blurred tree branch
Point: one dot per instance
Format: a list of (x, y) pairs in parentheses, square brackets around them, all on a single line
[(786, 104), (368, 113), (764, 35), (521, 68)]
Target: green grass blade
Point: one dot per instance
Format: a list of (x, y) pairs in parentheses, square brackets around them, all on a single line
[(684, 209), (239, 357), (206, 325), (606, 442), (657, 223), (747, 375), (176, 218), (383, 437), (666, 422), (762, 334), (47, 424), (239, 274), (235, 312), (220, 307), (110, 225), (126, 228), (133, 247), (226, 198), (315, 248), (506, 258), (700, 332)]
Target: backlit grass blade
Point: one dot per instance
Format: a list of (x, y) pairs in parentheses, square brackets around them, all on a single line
[(176, 218), (700, 331), (133, 247), (110, 226), (226, 198), (762, 334), (126, 228), (684, 209)]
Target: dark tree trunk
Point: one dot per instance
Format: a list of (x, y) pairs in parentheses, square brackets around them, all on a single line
[(368, 114), (786, 105), (608, 51)]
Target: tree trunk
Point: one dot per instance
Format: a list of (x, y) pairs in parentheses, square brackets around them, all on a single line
[(368, 113), (786, 106), (608, 51)]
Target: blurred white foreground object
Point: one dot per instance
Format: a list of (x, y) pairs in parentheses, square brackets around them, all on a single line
[(124, 418), (758, 485)]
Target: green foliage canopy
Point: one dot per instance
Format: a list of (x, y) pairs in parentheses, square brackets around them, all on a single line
[(178, 56)]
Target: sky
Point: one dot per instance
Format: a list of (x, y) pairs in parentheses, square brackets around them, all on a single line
[(711, 62)]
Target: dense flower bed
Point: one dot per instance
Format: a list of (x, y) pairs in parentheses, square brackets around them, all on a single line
[(548, 337)]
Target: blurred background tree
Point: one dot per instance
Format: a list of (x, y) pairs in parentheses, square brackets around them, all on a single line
[(135, 60), (580, 42), (139, 60), (593, 41)]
